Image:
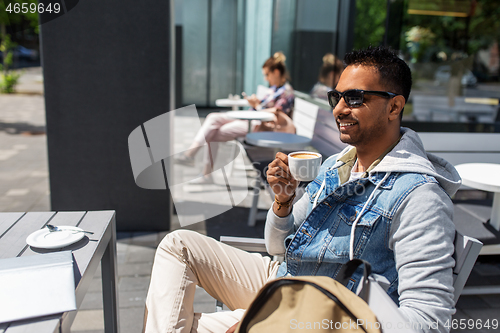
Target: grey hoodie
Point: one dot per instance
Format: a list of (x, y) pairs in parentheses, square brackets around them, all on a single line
[(421, 235)]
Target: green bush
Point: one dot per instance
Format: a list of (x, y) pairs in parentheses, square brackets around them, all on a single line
[(8, 79), (8, 82)]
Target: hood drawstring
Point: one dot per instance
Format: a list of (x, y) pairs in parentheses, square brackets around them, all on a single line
[(353, 228), (336, 165), (319, 192)]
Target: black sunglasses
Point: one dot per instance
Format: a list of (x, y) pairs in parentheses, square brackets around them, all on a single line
[(355, 97)]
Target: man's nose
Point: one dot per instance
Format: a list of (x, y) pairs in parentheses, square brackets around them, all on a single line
[(341, 109)]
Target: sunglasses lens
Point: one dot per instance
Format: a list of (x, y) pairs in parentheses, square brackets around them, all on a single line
[(354, 98), (334, 98)]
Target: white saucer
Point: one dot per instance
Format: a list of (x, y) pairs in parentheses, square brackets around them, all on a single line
[(44, 239)]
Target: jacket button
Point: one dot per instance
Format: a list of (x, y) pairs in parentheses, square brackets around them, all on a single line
[(353, 217)]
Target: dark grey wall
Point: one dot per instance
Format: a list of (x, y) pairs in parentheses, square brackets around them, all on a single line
[(322, 26), (106, 70), (309, 49), (347, 15)]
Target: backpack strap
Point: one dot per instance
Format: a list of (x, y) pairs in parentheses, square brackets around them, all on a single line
[(348, 269)]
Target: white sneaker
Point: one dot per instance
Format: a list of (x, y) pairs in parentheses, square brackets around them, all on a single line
[(185, 160), (202, 180)]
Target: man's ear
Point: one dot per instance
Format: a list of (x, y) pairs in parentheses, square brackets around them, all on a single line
[(396, 106)]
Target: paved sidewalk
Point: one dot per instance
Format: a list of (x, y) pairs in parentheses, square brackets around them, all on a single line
[(24, 186), (31, 81), (23, 154)]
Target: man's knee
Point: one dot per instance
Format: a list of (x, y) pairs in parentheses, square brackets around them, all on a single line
[(179, 244), (179, 238)]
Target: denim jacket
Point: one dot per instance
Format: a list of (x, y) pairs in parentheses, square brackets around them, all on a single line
[(405, 231), (321, 244)]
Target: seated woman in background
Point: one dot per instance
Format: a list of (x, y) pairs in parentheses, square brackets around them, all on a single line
[(328, 76), (218, 127)]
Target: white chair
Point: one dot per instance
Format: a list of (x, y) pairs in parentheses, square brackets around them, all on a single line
[(472, 219), (466, 252)]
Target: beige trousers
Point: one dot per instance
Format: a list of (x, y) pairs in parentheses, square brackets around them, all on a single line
[(185, 259), (218, 127)]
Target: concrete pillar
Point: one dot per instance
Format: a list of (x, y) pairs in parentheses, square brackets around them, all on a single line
[(107, 69)]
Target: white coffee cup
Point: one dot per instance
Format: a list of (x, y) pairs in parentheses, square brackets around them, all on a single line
[(304, 165)]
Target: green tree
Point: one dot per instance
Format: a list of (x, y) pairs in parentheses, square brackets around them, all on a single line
[(463, 36), (369, 27), (484, 25), (8, 18)]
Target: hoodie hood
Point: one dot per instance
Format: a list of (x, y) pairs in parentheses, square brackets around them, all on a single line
[(409, 155)]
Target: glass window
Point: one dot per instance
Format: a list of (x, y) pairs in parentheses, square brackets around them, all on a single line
[(369, 28), (452, 48)]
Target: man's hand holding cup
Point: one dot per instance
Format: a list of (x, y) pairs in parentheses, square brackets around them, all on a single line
[(285, 173), (281, 181)]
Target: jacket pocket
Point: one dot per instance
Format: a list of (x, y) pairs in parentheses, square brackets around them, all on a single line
[(349, 213), (338, 246)]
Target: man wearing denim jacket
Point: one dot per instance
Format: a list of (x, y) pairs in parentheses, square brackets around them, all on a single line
[(383, 199)]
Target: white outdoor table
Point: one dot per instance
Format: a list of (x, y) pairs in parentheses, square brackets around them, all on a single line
[(232, 103), (486, 177), (251, 115), (280, 140), (101, 246)]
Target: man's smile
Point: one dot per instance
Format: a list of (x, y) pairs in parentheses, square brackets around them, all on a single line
[(346, 124)]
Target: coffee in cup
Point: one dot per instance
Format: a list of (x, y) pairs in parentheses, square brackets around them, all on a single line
[(304, 165), (304, 155)]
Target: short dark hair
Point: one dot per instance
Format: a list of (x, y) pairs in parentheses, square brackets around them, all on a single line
[(394, 72)]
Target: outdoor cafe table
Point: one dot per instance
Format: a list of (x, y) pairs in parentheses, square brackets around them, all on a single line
[(486, 177), (286, 141), (251, 115), (232, 103), (87, 252)]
